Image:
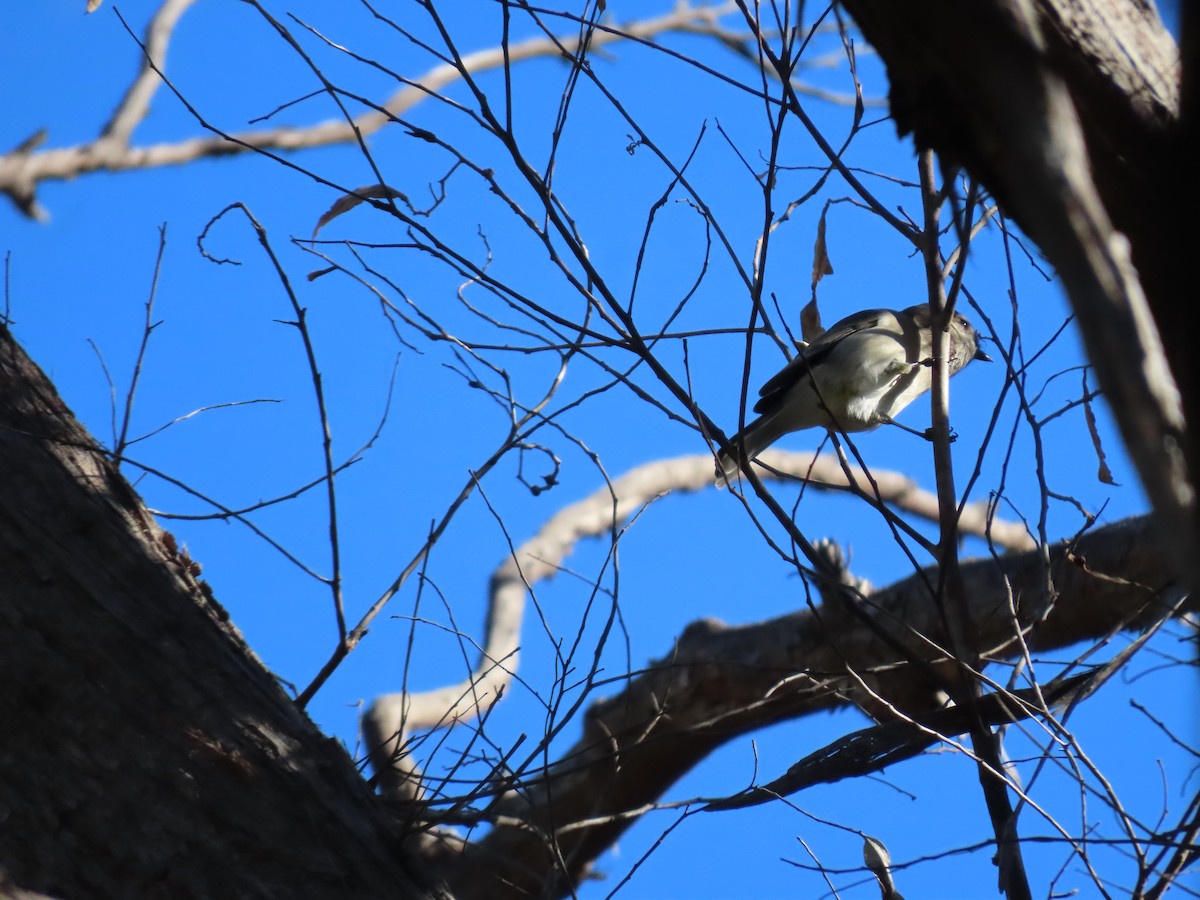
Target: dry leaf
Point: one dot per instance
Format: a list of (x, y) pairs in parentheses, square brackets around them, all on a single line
[(1104, 473), (821, 264), (349, 201), (93, 5), (810, 321)]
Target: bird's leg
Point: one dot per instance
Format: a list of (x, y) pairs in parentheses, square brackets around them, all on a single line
[(927, 434)]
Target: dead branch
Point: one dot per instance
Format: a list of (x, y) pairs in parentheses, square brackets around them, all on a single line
[(392, 717), (719, 682), (25, 168), (1073, 127)]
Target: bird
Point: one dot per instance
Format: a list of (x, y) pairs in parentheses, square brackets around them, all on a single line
[(854, 377)]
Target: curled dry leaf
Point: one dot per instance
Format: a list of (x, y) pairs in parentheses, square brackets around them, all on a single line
[(1103, 472), (810, 322), (347, 202), (810, 316), (821, 264)]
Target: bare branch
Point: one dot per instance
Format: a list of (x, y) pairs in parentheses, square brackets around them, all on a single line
[(1086, 95), (541, 557), (24, 169), (114, 137), (720, 681), (391, 717)]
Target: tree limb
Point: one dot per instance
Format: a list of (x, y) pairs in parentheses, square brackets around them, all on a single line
[(1073, 125), (392, 717), (123, 680), (719, 682), (24, 169)]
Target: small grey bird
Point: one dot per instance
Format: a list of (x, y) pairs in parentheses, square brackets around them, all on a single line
[(856, 376)]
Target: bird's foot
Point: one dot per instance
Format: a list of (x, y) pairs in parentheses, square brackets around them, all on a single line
[(930, 434)]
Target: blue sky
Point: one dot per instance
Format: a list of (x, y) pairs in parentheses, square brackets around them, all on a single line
[(78, 285)]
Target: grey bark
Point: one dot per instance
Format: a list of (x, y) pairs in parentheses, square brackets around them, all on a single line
[(144, 750), (1069, 113), (719, 682)]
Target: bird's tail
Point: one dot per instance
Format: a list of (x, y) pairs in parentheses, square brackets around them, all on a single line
[(747, 444)]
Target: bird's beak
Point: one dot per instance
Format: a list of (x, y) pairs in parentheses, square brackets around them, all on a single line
[(980, 355)]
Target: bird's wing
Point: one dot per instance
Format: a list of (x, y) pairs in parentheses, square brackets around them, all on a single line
[(785, 379)]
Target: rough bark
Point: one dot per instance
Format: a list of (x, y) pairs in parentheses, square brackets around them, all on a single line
[(719, 682), (146, 752), (1068, 111)]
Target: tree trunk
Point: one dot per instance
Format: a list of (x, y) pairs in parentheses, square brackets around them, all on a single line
[(1069, 113), (146, 752)]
